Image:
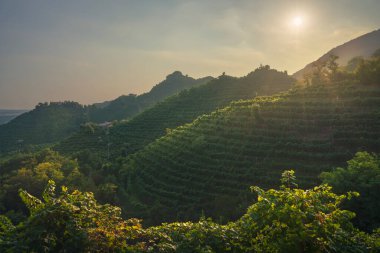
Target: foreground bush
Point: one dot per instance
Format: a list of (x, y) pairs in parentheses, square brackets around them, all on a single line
[(362, 175), (72, 222), (285, 220)]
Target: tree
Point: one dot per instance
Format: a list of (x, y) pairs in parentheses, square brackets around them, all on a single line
[(297, 220), (318, 74), (288, 179), (376, 53), (354, 63), (332, 66), (368, 71), (362, 174)]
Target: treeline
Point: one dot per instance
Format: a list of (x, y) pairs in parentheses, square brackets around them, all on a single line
[(366, 71)]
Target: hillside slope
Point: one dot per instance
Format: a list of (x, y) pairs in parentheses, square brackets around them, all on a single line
[(47, 123), (8, 115), (127, 106), (128, 137), (208, 165), (53, 122), (364, 46)]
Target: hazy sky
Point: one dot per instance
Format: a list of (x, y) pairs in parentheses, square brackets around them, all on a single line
[(91, 51)]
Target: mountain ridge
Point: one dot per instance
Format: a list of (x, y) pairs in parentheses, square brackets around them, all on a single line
[(18, 133), (174, 111), (363, 46)]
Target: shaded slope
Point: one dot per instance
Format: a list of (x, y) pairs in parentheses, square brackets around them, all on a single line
[(208, 165), (128, 137), (47, 123), (53, 122), (127, 106), (8, 115), (364, 46)]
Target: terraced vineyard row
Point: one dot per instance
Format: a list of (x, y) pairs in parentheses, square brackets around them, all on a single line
[(210, 163), (128, 137)]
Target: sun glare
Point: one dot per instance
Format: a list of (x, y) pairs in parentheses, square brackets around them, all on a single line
[(297, 21)]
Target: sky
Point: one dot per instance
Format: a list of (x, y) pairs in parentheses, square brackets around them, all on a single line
[(93, 51)]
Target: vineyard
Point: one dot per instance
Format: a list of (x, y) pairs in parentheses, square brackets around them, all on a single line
[(128, 106), (127, 137), (207, 166)]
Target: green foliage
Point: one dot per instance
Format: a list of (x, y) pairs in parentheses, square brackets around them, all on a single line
[(210, 163), (47, 123), (71, 222), (288, 179), (368, 71), (325, 71), (128, 106), (332, 67), (354, 63), (285, 220), (187, 237), (362, 175), (32, 172), (296, 220), (132, 135), (6, 226), (55, 121)]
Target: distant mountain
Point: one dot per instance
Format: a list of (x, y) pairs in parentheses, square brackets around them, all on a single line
[(364, 46), (52, 122), (128, 137), (7, 115), (127, 106)]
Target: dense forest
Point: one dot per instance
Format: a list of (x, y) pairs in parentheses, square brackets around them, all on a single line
[(252, 164)]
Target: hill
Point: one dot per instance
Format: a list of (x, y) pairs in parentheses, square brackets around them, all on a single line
[(8, 115), (363, 46), (127, 137), (47, 123), (125, 107), (208, 165), (52, 122)]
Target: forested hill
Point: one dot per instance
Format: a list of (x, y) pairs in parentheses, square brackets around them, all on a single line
[(208, 165), (47, 123), (8, 115), (52, 122), (128, 137), (127, 106)]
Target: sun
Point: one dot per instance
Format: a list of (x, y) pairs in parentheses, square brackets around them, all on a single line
[(297, 21)]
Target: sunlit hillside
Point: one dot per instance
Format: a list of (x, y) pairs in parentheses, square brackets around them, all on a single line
[(208, 165), (127, 137)]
